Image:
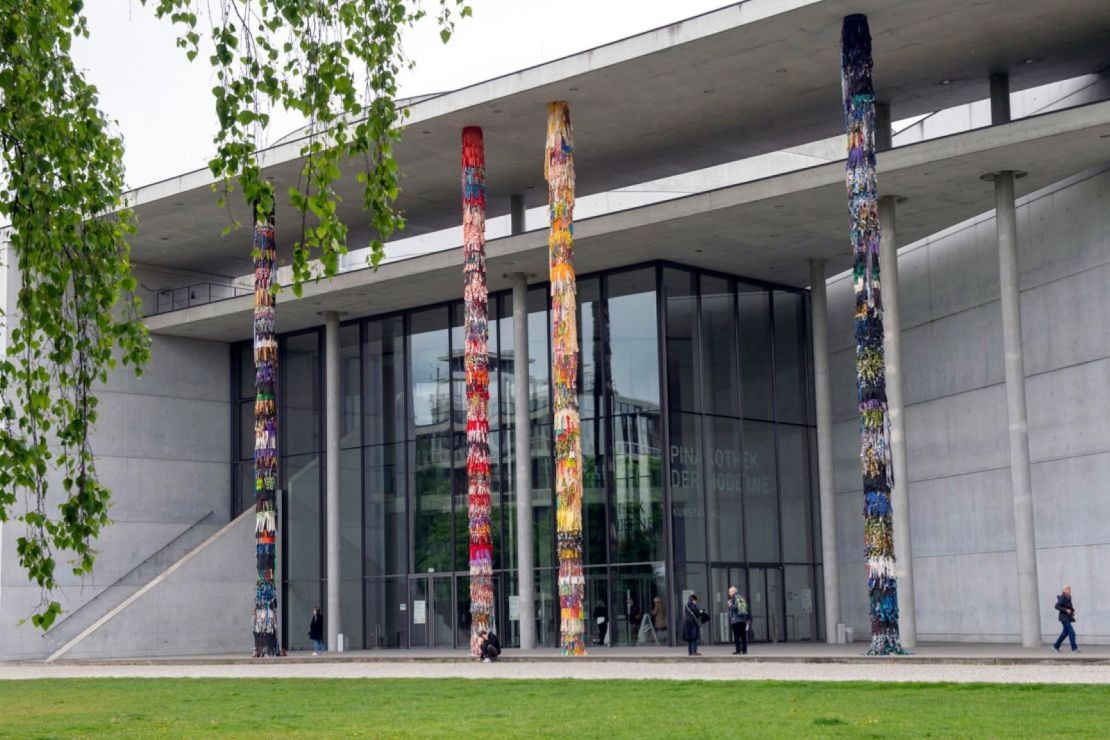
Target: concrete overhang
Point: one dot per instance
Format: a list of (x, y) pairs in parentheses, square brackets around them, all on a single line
[(754, 77), (765, 229)]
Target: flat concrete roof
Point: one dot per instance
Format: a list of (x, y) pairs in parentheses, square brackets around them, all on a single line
[(766, 229), (754, 77)]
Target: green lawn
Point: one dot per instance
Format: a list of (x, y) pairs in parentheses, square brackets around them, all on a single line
[(465, 708)]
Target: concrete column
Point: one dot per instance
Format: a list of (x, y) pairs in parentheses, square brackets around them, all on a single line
[(331, 416), (900, 495), (823, 400), (1000, 98), (884, 134), (1020, 483), (522, 425), (517, 213)]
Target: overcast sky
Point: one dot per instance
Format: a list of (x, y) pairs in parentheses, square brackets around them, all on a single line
[(163, 103)]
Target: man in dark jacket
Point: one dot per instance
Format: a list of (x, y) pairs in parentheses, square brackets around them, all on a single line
[(692, 619), (489, 648), (1067, 616)]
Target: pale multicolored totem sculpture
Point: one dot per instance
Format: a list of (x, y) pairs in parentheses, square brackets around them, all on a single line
[(476, 328), (559, 171), (265, 441), (878, 478)]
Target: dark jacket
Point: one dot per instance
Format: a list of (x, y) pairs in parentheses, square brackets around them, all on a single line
[(1063, 605), (491, 641), (691, 622), (316, 627), (600, 612), (737, 611)]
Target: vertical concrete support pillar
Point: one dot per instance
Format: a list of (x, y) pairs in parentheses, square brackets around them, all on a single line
[(1000, 98), (517, 213), (1020, 483), (900, 493), (522, 426), (884, 134), (819, 308), (331, 447)]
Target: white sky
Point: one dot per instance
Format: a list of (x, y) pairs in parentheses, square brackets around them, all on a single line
[(163, 103)]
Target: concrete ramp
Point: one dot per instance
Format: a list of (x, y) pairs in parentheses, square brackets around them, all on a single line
[(199, 604)]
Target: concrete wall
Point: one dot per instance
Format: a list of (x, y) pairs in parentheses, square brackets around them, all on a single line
[(201, 608), (962, 522), (162, 444)]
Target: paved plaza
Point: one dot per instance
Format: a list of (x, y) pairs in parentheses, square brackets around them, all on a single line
[(784, 662)]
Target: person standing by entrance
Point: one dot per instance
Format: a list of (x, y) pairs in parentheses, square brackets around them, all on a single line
[(1067, 618), (738, 616), (691, 624), (316, 632), (601, 618)]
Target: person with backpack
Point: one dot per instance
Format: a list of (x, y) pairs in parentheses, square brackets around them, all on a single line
[(1067, 617), (693, 617), (738, 617)]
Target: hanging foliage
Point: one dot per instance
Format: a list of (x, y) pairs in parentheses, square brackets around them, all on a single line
[(476, 360), (863, 205), (265, 441), (559, 171)]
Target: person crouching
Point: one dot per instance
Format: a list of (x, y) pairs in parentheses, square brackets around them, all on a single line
[(489, 647)]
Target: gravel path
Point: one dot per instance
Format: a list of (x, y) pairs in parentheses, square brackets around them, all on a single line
[(1036, 673)]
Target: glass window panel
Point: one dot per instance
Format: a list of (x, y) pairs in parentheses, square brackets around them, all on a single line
[(590, 324), (543, 517), (801, 603), (302, 518), (687, 505), (386, 526), (633, 343), (683, 389), (350, 388), (597, 607), (815, 498), (458, 367), (754, 320), (350, 517), (461, 492), (431, 372), (593, 491), (724, 463), (351, 605), (638, 591), (245, 493), (386, 624), (301, 597), (300, 394), (385, 381), (494, 364), (790, 366), (761, 525), (431, 485), (246, 370), (690, 578), (539, 361), (246, 430), (547, 608), (718, 340), (637, 488), (796, 496)]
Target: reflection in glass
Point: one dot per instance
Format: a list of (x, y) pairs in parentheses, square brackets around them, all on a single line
[(386, 526), (724, 464), (431, 487), (590, 330), (754, 321), (637, 488), (760, 492), (302, 516), (718, 339), (687, 508), (680, 289), (593, 491), (431, 372), (791, 400), (634, 346), (385, 381), (634, 597), (795, 494)]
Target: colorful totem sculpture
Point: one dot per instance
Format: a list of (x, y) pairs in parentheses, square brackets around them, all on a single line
[(476, 302), (265, 441), (559, 171), (863, 204)]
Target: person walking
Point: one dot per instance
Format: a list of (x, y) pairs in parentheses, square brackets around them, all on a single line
[(693, 617), (1067, 618), (601, 617), (738, 616), (316, 632)]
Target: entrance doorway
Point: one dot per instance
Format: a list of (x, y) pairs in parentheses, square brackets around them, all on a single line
[(762, 587), (432, 611)]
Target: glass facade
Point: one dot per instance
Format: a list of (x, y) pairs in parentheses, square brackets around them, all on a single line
[(698, 445)]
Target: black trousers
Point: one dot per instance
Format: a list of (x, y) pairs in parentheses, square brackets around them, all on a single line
[(740, 637), (601, 630)]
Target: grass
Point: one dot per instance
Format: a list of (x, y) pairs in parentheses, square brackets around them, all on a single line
[(563, 708)]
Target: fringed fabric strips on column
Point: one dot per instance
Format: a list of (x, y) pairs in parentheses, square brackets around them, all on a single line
[(875, 455), (476, 302), (559, 172), (265, 441)]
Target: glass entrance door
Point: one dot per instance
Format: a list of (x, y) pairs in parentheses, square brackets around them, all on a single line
[(723, 577), (431, 605), (766, 604)]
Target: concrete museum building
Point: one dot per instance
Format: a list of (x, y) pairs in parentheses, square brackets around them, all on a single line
[(717, 386)]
